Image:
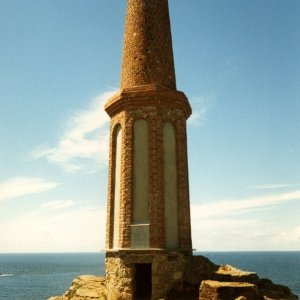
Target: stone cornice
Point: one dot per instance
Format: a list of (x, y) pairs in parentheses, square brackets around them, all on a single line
[(147, 95)]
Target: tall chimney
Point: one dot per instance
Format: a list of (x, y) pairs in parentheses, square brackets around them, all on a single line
[(148, 232), (147, 53)]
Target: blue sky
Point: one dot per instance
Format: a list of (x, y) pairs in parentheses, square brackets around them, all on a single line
[(237, 61)]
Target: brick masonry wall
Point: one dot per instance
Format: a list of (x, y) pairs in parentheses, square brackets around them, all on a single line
[(148, 92), (147, 52), (157, 107)]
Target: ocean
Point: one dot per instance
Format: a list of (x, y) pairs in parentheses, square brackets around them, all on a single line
[(39, 276)]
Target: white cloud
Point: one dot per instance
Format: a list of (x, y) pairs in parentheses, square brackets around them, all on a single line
[(275, 186), (227, 207), (219, 226), (293, 235), (200, 106), (58, 204), (79, 230), (221, 223), (84, 143), (54, 229), (21, 186), (283, 236)]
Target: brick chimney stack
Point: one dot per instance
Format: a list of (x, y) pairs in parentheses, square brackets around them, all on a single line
[(147, 53), (148, 232)]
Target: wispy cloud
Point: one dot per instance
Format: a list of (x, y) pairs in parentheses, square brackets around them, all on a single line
[(77, 230), (84, 142), (58, 204), (290, 235), (219, 225), (21, 186), (200, 107), (219, 234), (275, 186), (243, 205)]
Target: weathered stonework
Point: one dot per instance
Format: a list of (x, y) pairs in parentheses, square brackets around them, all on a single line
[(153, 228), (168, 269)]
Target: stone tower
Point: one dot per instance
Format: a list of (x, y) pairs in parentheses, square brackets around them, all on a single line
[(148, 233)]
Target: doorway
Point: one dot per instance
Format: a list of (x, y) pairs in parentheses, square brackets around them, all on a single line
[(142, 282)]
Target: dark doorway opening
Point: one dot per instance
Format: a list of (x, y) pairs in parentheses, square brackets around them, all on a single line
[(142, 282)]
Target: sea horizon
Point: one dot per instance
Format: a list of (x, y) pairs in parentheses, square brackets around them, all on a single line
[(39, 275), (101, 251)]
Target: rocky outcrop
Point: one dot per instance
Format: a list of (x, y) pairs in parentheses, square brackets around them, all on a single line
[(263, 289), (272, 291), (85, 287), (214, 290), (219, 281), (201, 268), (232, 274), (203, 280), (225, 280)]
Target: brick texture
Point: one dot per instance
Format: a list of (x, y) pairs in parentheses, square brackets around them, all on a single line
[(148, 92), (147, 52), (157, 107)]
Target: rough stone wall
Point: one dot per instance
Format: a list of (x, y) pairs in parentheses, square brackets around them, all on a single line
[(168, 269), (147, 52), (156, 107), (119, 279)]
